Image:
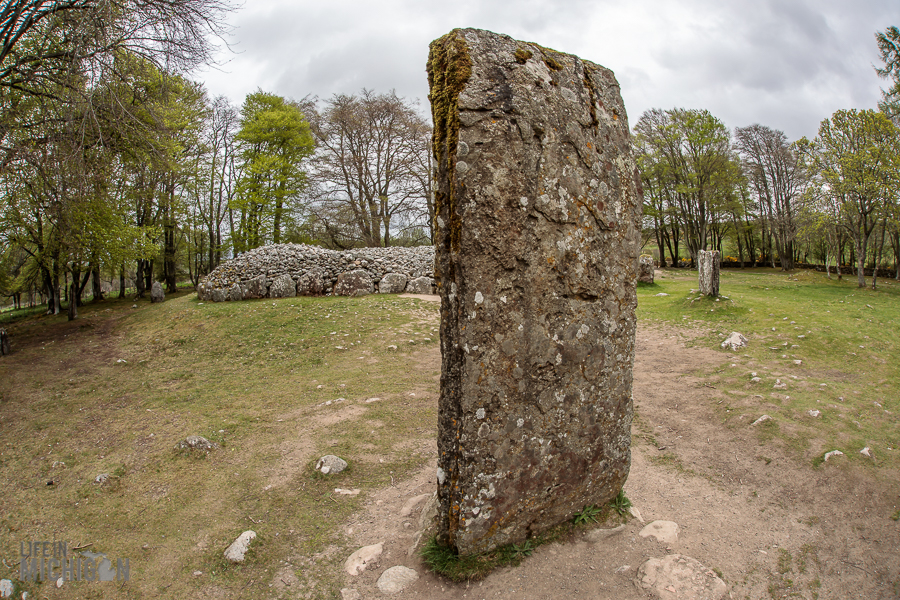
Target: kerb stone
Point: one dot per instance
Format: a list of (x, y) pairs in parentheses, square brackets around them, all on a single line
[(537, 242)]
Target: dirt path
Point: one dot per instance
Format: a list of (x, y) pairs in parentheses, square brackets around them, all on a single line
[(771, 524)]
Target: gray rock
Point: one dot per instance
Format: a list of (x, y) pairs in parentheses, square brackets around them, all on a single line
[(330, 464), (677, 576), (235, 292), (238, 548), (831, 454), (350, 594), (598, 535), (354, 283), (537, 242), (283, 287), (396, 579), (664, 531), (101, 478), (311, 283), (156, 292), (762, 419), (645, 269), (735, 340), (360, 560), (4, 343), (420, 285), (254, 288), (412, 503), (196, 442), (218, 295), (392, 283), (6, 588)]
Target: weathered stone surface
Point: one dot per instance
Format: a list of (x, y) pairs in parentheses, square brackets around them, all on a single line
[(664, 531), (360, 560), (283, 287), (156, 292), (315, 270), (677, 576), (235, 292), (735, 340), (4, 343), (196, 442), (6, 588), (238, 548), (396, 579), (392, 283), (645, 269), (330, 464), (354, 283), (311, 283), (708, 265), (255, 288), (537, 241), (420, 285)]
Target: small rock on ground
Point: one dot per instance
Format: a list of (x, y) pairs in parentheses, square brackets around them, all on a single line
[(330, 464), (735, 340), (238, 548), (357, 562), (396, 579), (6, 588), (196, 442), (677, 576), (350, 594), (411, 504), (664, 531), (597, 535), (833, 453), (762, 419)]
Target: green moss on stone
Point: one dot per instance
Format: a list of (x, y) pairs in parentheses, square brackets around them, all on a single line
[(522, 55), (449, 68)]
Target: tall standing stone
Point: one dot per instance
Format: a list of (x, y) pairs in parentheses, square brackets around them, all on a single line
[(645, 269), (4, 343), (156, 292), (708, 265), (537, 242)]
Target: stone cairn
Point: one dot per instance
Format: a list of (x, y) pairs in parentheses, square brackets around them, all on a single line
[(288, 270), (537, 214), (708, 265), (645, 269)]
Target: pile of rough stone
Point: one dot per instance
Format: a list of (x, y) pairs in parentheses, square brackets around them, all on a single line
[(287, 270)]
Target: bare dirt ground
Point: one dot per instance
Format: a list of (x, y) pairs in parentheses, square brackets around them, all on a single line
[(765, 519)]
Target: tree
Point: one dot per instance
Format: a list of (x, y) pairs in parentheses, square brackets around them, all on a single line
[(371, 173), (273, 140), (857, 157), (689, 170), (889, 48), (776, 179)]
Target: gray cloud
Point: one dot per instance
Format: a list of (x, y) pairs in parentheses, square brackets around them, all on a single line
[(784, 63)]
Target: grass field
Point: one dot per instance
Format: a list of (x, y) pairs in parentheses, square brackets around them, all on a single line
[(278, 383), (832, 344)]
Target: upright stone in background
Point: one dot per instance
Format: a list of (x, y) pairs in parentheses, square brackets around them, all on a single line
[(537, 240), (645, 269), (156, 292), (708, 265), (4, 343)]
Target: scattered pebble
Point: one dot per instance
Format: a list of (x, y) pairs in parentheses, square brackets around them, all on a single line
[(833, 453)]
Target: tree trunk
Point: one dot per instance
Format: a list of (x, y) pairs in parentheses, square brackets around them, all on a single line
[(73, 310), (96, 285), (122, 281)]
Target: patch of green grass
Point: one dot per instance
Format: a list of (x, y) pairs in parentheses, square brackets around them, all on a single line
[(896, 516), (256, 378), (844, 338)]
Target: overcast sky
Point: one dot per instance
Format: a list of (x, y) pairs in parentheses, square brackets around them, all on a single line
[(787, 64)]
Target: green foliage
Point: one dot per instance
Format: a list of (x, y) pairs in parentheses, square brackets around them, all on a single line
[(587, 514), (889, 48), (274, 138), (621, 503)]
